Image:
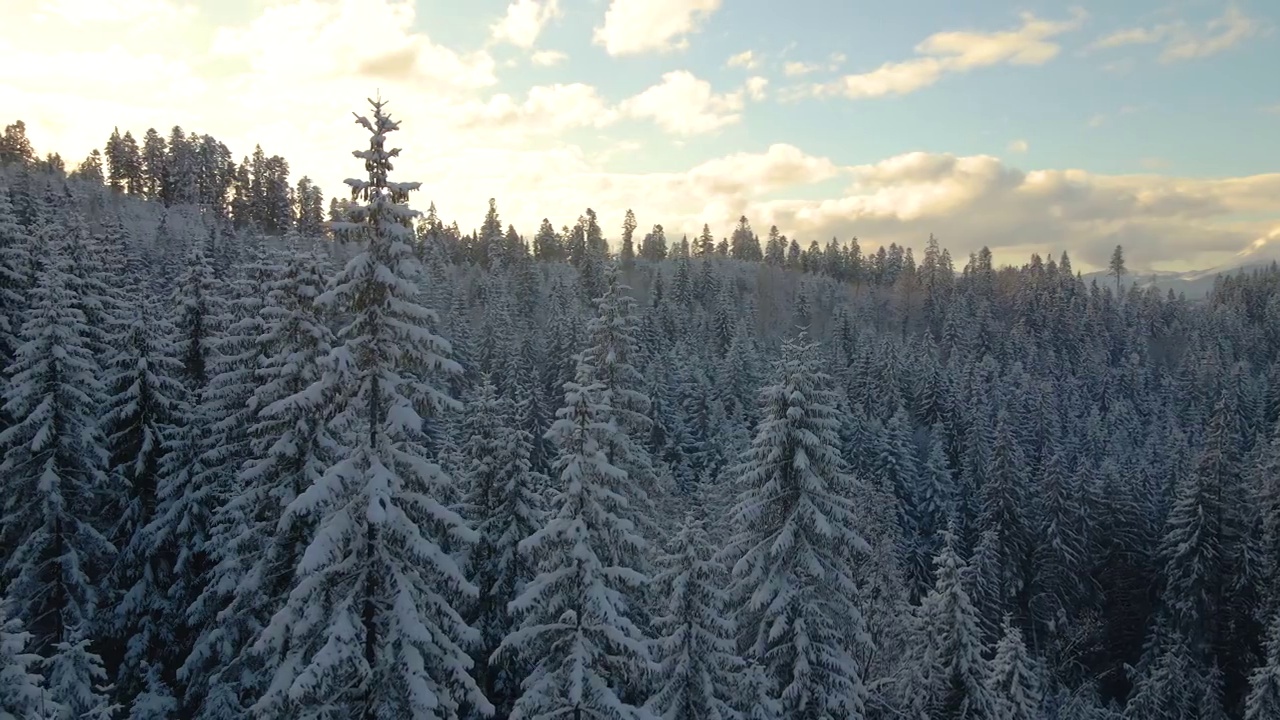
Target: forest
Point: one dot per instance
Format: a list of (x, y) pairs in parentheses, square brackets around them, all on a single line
[(264, 458)]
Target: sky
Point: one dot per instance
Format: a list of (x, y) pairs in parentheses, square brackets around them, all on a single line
[(1027, 127)]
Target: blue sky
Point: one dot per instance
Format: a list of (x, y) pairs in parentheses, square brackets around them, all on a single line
[(1115, 110), (1029, 126)]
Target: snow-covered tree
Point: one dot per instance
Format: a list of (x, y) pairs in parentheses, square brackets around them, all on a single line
[(257, 544), (143, 396), (504, 500), (611, 355), (197, 317), (372, 626), (22, 690), (1264, 684), (1014, 679), (52, 472), (78, 687), (144, 405), (697, 661), (577, 629), (796, 544), (957, 669)]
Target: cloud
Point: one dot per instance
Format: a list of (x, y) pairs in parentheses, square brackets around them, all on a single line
[(284, 39), (957, 52), (756, 86), (131, 12), (632, 27), (682, 104), (976, 200), (1131, 36), (1018, 146), (524, 21), (547, 58), (795, 69), (1182, 42), (545, 109), (1273, 109), (745, 59)]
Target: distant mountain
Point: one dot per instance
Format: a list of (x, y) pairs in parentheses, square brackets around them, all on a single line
[(1192, 283)]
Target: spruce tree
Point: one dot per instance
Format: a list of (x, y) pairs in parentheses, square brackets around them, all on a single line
[(697, 661), (796, 545), (1264, 684), (957, 669), (257, 542), (1014, 680), (504, 499), (610, 356), (22, 686), (52, 474), (372, 626), (577, 625)]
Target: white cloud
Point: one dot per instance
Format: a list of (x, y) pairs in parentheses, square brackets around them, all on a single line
[(756, 86), (94, 12), (745, 59), (546, 109), (284, 39), (956, 52), (637, 26), (547, 58), (524, 21), (1182, 42), (1018, 146), (796, 69), (972, 201), (682, 104)]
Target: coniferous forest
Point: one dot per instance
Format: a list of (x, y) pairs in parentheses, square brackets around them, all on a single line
[(260, 459)]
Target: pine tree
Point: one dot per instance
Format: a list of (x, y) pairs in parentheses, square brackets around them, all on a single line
[(1014, 680), (1060, 566), (957, 669), (22, 687), (52, 467), (154, 159), (696, 658), (796, 545), (627, 253), (77, 683), (310, 211), (1116, 267), (757, 698), (197, 318), (14, 249), (143, 396), (611, 355), (258, 541), (144, 404), (1264, 694), (577, 629), (372, 627), (504, 500)]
